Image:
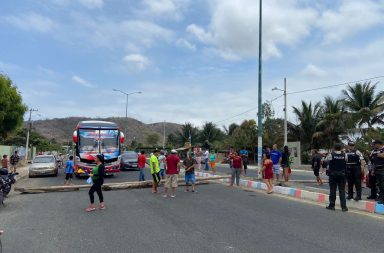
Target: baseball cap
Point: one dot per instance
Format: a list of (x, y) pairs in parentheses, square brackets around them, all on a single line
[(173, 151)]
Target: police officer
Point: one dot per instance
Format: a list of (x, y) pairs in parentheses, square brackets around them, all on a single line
[(336, 172), (353, 158), (378, 168)]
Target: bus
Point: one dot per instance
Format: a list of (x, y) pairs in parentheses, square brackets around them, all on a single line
[(97, 137)]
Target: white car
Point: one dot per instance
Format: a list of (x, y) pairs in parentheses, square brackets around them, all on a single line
[(44, 165)]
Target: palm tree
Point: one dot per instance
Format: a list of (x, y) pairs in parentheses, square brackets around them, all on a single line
[(186, 132), (210, 133), (335, 122), (365, 105), (308, 116)]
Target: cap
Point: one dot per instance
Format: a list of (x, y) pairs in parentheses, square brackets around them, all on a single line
[(378, 142), (100, 157), (173, 151)]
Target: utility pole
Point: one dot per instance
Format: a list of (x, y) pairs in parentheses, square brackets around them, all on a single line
[(28, 131), (260, 104), (164, 135)]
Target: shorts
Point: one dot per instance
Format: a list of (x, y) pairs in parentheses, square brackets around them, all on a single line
[(171, 181), (276, 169), (213, 165), (316, 172), (156, 178), (68, 176), (190, 178), (162, 173)]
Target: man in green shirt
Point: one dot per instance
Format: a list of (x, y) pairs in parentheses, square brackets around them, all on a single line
[(155, 170)]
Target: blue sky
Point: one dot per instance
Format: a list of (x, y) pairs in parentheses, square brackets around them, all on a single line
[(194, 60)]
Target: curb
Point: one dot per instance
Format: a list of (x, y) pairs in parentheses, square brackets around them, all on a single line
[(363, 205)]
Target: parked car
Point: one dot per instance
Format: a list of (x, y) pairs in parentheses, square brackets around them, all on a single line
[(129, 159), (44, 165)]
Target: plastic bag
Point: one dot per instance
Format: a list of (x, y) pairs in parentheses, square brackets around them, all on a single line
[(89, 180)]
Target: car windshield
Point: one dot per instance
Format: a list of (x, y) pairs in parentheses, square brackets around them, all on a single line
[(44, 160), (130, 155)]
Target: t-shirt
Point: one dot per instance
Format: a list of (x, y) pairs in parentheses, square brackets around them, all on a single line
[(285, 159), (275, 156), (206, 155), (237, 162), (69, 167), (243, 152), (316, 161), (172, 162), (15, 159), (161, 159), (141, 161), (4, 163), (188, 163), (155, 161), (212, 157)]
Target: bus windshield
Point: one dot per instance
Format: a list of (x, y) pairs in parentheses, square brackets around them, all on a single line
[(109, 143), (92, 142)]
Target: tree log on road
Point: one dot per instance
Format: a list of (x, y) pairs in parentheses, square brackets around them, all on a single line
[(108, 187)]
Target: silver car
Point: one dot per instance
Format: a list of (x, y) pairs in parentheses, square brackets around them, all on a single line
[(44, 165), (129, 159)]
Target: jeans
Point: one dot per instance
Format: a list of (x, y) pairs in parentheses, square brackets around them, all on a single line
[(96, 187), (337, 181), (162, 173), (235, 175), (206, 164), (141, 175)]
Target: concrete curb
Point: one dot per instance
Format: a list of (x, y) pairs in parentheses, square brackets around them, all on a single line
[(365, 206)]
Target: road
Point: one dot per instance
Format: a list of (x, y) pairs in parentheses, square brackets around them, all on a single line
[(216, 219)]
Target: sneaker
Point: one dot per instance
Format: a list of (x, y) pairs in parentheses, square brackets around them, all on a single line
[(357, 199), (194, 191), (165, 196), (332, 208), (344, 210), (173, 196)]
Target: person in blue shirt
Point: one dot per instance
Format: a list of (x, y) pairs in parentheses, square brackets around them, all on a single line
[(244, 156), (276, 157), (69, 169)]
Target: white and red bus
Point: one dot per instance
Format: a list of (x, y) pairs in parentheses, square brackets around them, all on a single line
[(97, 137)]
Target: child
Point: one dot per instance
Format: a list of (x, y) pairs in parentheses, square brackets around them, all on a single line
[(4, 162), (69, 169), (268, 173), (212, 159)]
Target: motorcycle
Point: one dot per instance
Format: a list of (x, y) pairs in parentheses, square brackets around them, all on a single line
[(6, 182)]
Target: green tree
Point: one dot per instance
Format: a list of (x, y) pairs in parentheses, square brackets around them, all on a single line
[(273, 132), (171, 140), (12, 108), (268, 111), (229, 130), (365, 104), (210, 133), (187, 130), (153, 139), (308, 116), (245, 135)]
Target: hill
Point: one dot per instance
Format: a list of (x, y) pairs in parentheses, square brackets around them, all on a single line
[(61, 129)]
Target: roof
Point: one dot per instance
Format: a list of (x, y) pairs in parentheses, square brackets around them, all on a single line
[(94, 124)]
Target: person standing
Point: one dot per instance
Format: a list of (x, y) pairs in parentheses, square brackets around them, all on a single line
[(354, 172), (15, 158), (212, 161), (230, 156), (172, 171), (237, 167), (4, 162), (69, 169), (337, 167), (189, 165), (268, 173), (378, 168), (141, 162), (285, 163), (155, 170), (276, 157), (316, 164), (162, 164), (199, 157), (206, 159), (97, 175), (244, 155)]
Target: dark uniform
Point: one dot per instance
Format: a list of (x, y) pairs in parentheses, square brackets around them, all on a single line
[(337, 167), (378, 164), (353, 173)]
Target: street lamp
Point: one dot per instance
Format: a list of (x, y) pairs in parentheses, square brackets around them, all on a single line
[(260, 105), (285, 110)]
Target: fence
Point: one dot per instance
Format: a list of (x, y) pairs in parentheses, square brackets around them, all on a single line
[(10, 150)]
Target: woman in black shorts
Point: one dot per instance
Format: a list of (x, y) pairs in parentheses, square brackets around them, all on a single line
[(316, 164)]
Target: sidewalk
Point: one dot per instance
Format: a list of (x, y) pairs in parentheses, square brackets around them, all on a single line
[(314, 196)]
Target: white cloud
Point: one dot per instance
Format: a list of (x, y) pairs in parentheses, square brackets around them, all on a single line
[(81, 81), (350, 18), (31, 21), (92, 4), (233, 29), (137, 61), (186, 44), (313, 71), (169, 9)]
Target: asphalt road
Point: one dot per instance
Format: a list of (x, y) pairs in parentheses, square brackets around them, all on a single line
[(216, 219)]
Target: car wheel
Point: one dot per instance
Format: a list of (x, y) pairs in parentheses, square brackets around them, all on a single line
[(30, 176)]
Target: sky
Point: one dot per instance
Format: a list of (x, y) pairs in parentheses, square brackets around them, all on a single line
[(193, 60)]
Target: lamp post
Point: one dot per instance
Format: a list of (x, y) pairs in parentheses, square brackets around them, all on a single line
[(285, 111), (260, 105), (28, 132), (126, 107)]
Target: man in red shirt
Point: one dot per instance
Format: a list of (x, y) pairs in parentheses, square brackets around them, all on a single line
[(237, 167), (172, 170), (142, 160)]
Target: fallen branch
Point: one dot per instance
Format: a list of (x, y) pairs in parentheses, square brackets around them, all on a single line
[(107, 187)]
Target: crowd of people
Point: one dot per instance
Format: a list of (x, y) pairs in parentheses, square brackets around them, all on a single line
[(10, 165)]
